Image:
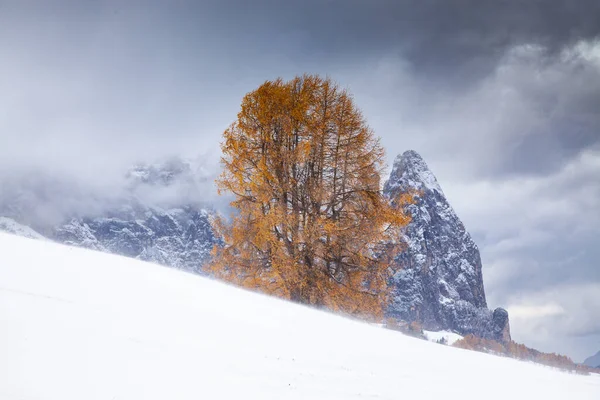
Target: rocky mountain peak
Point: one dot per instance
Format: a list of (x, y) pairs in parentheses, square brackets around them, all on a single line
[(411, 172), (439, 280)]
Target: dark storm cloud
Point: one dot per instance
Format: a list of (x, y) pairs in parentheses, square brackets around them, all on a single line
[(461, 53), (457, 39), (538, 235), (530, 115)]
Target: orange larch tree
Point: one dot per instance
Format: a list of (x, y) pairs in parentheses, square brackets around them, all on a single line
[(312, 224)]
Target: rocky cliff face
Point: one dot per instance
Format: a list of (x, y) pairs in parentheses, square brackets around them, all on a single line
[(439, 281), (177, 237), (155, 221)]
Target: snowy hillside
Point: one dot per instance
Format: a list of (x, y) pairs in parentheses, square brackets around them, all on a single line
[(438, 336), (11, 226), (78, 324)]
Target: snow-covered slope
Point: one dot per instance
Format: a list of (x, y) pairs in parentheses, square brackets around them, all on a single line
[(438, 336), (78, 324), (11, 226), (439, 282)]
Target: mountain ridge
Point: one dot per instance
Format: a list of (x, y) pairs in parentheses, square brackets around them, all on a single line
[(158, 214), (593, 361)]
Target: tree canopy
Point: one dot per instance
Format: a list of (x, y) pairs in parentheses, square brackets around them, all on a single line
[(311, 224)]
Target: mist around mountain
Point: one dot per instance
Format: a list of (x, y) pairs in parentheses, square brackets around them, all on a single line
[(156, 212)]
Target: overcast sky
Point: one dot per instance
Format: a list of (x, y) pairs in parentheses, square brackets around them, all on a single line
[(502, 99)]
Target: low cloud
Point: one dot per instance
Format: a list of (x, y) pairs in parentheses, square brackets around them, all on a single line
[(530, 116), (527, 311), (46, 199), (564, 318)]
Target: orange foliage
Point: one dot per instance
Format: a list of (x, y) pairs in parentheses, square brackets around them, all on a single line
[(520, 352), (312, 224), (471, 342)]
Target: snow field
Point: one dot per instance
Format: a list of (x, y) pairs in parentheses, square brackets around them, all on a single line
[(78, 324)]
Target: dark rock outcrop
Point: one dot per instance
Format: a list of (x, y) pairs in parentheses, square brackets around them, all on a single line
[(177, 237), (439, 281)]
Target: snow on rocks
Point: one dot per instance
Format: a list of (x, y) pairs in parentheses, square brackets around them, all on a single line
[(439, 280)]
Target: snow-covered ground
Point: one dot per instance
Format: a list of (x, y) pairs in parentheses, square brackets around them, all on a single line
[(77, 324), (449, 337), (11, 226)]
